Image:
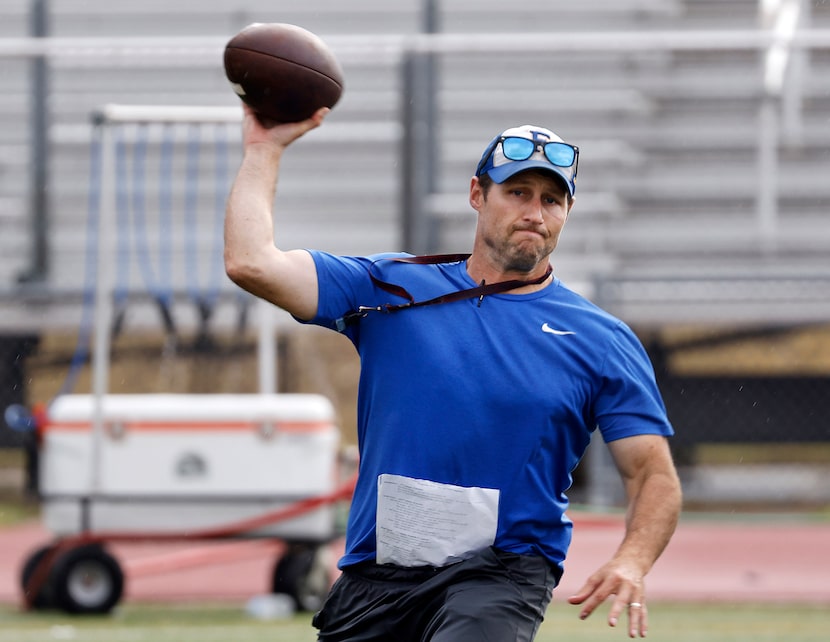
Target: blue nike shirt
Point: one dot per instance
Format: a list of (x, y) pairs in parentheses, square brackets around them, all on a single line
[(502, 393)]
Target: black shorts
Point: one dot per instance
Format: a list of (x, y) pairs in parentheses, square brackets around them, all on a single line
[(493, 597)]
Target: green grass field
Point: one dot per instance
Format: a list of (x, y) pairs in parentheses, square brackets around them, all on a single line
[(228, 623)]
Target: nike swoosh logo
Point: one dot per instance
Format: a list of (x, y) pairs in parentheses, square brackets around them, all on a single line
[(560, 333)]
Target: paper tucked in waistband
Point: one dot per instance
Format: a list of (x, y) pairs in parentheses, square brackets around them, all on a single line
[(426, 523)]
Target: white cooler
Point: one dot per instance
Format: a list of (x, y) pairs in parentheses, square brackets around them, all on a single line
[(185, 463)]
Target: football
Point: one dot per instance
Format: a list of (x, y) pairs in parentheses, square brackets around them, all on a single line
[(284, 72)]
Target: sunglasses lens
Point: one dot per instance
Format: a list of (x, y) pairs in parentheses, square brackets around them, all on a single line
[(518, 149), (560, 154)]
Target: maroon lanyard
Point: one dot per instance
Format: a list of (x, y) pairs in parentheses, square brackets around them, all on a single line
[(479, 291)]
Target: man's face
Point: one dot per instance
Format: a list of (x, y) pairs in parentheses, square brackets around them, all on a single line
[(520, 220)]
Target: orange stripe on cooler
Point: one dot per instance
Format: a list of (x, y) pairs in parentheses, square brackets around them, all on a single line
[(194, 426)]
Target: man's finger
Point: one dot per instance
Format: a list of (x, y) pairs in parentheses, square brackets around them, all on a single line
[(590, 597), (637, 619), (583, 593), (620, 604)]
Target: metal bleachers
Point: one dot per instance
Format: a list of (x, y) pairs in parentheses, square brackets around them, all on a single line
[(672, 134)]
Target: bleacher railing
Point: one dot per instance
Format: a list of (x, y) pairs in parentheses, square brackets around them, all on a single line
[(779, 97)]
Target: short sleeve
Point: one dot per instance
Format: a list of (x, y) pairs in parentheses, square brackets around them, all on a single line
[(628, 402)]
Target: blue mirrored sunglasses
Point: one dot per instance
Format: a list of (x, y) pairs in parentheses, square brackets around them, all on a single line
[(516, 148)]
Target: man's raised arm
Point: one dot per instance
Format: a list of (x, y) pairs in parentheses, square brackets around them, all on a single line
[(287, 279)]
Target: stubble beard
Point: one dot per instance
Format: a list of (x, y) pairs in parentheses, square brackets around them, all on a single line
[(522, 257)]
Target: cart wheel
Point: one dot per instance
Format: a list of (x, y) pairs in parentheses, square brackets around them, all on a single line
[(43, 599), (87, 580), (303, 573)]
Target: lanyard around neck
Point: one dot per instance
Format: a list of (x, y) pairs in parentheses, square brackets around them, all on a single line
[(480, 291)]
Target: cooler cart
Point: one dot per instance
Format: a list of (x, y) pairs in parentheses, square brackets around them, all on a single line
[(170, 467)]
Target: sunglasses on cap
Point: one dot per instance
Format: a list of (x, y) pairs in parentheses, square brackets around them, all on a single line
[(516, 148)]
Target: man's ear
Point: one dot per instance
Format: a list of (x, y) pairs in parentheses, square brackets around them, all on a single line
[(476, 194), (571, 201)]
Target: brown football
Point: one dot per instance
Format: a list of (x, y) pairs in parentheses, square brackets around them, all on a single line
[(284, 72)]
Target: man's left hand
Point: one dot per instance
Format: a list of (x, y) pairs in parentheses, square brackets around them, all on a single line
[(624, 582)]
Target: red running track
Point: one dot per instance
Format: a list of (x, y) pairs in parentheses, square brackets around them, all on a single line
[(708, 560)]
